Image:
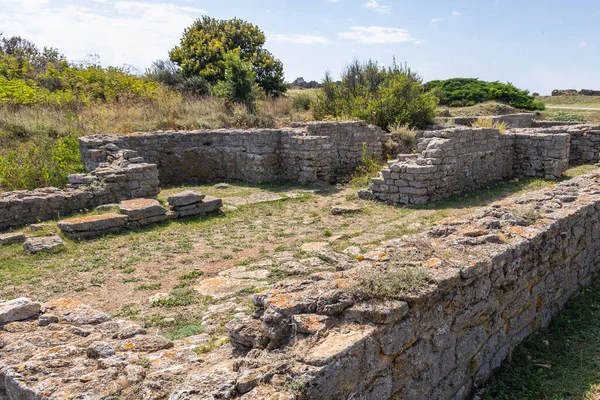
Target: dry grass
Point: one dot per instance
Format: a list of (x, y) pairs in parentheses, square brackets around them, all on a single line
[(489, 123)]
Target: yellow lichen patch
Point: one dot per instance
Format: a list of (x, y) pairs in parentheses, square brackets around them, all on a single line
[(360, 258), (433, 263), (128, 346)]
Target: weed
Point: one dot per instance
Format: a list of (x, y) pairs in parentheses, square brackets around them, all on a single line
[(398, 279), (192, 275), (150, 286)]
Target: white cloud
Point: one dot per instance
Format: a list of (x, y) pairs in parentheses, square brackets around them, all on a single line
[(333, 1), (584, 45), (297, 39), (121, 32), (454, 14), (377, 35), (375, 6)]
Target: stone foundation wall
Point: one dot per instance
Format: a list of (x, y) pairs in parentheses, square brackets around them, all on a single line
[(107, 184), (459, 159), (321, 151), (499, 275)]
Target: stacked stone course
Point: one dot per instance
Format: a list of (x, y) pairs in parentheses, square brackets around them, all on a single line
[(306, 152), (458, 159)]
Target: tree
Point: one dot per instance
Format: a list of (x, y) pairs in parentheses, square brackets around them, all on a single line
[(239, 82), (205, 43)]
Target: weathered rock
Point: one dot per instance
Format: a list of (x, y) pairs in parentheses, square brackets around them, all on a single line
[(141, 209), (108, 207), (222, 287), (346, 210), (47, 319), (100, 350), (12, 238), (209, 204), (43, 244), (93, 223), (18, 309), (185, 198)]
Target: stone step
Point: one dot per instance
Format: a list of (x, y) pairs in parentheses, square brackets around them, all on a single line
[(209, 204), (140, 209)]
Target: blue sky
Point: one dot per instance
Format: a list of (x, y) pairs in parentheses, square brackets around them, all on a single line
[(537, 45)]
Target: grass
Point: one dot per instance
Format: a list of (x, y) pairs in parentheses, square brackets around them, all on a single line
[(583, 101), (562, 362)]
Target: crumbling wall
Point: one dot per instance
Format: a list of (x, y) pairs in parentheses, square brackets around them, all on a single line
[(256, 156), (106, 184), (459, 159)]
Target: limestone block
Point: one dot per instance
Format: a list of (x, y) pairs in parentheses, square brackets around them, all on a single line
[(18, 309), (141, 209), (43, 244), (93, 223), (185, 198)]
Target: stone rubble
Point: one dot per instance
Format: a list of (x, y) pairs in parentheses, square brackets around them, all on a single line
[(12, 238), (191, 203)]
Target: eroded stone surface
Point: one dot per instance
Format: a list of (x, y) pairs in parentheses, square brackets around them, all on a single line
[(12, 238), (43, 244), (141, 209), (185, 198), (18, 309), (223, 286)]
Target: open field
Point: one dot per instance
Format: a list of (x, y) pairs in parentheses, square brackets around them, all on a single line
[(119, 273)]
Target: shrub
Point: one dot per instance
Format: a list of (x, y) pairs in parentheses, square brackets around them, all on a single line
[(566, 116), (466, 92), (379, 95), (239, 83), (195, 85), (489, 123), (301, 102)]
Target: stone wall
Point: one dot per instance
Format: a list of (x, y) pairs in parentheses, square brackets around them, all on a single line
[(584, 140), (499, 275), (106, 184), (309, 152), (459, 159)]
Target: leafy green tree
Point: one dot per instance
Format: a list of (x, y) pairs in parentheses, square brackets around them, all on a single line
[(205, 43), (239, 82)]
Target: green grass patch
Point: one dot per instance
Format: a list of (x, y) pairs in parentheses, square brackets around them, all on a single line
[(562, 362)]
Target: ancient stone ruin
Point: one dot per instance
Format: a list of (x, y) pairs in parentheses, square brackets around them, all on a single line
[(130, 166), (490, 279), (454, 160)]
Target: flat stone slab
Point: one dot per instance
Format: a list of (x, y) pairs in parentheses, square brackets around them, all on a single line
[(254, 198), (12, 238), (245, 273), (209, 204), (314, 246), (18, 309), (43, 244), (100, 222), (185, 198), (223, 287), (140, 209)]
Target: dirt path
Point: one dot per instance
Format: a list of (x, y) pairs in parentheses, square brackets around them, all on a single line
[(574, 108)]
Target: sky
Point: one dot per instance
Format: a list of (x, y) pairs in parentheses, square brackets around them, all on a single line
[(539, 45)]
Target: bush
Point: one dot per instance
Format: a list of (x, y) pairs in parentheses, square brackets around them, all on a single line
[(379, 95), (466, 92), (195, 85), (239, 83), (301, 102), (566, 116)]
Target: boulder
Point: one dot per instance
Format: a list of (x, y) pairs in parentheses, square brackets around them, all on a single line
[(42, 244), (18, 309)]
